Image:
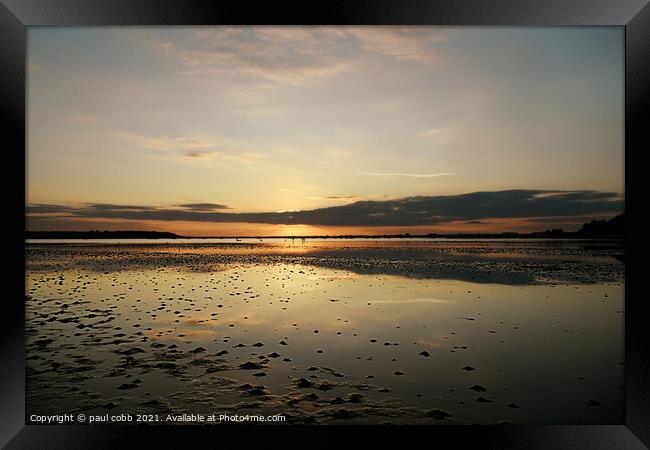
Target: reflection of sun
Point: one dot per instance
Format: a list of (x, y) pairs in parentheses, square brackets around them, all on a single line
[(298, 230)]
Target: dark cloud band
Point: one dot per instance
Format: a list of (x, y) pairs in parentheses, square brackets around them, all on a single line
[(409, 211), (204, 206)]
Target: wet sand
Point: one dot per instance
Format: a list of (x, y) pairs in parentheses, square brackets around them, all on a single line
[(329, 331)]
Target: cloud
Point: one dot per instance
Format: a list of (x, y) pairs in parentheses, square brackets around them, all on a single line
[(204, 206), (296, 55), (415, 44), (411, 175), (264, 111), (436, 135), (219, 158), (166, 143), (196, 154), (218, 149), (111, 207), (241, 157), (41, 208), (409, 211), (341, 197), (335, 197), (573, 220)]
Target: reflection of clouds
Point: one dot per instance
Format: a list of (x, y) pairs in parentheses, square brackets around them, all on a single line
[(253, 321), (415, 300), (326, 329), (200, 321), (189, 334), (333, 277), (432, 344)]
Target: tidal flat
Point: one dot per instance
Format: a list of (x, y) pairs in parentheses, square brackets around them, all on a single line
[(329, 331)]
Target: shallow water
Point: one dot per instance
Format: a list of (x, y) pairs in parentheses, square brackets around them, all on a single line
[(332, 332)]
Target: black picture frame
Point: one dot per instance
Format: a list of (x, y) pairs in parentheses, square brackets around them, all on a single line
[(633, 15)]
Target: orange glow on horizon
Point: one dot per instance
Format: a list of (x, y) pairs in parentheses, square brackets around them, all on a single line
[(205, 229)]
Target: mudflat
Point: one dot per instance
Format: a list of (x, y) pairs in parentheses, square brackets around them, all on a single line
[(329, 331)]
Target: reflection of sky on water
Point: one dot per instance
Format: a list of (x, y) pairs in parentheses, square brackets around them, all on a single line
[(546, 348)]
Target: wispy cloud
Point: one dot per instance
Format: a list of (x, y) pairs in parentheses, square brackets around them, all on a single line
[(402, 43), (335, 197), (265, 111), (411, 175), (113, 207), (197, 154), (296, 55), (240, 157), (436, 135), (197, 148), (341, 197), (221, 158), (166, 143)]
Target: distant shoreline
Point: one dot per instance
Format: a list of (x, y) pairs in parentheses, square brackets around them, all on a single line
[(100, 235), (85, 236), (596, 229)]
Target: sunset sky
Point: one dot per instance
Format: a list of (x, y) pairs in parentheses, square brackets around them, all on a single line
[(323, 130)]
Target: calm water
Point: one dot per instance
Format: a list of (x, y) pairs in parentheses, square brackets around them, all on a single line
[(329, 331)]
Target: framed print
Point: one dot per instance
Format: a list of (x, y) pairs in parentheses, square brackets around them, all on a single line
[(369, 218)]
